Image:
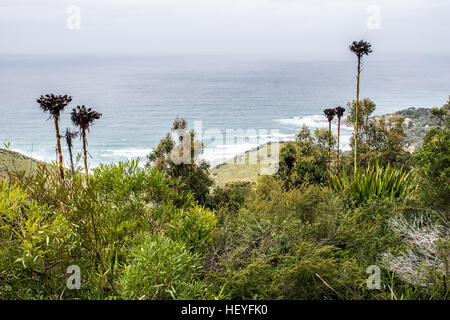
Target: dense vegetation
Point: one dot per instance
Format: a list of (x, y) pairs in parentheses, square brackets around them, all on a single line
[(140, 233), (164, 231)]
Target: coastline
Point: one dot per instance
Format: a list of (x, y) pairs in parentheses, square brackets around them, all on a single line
[(239, 167), (417, 123)]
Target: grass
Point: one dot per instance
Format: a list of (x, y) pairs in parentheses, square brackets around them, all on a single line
[(249, 165), (14, 161)]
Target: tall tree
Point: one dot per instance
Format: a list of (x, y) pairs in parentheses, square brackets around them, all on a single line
[(305, 159), (84, 119), (359, 48), (180, 159), (339, 113), (69, 135), (55, 104), (329, 113)]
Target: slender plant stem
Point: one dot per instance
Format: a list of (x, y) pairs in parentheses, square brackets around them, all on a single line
[(58, 145), (71, 161), (329, 145), (339, 136), (85, 152), (355, 160)]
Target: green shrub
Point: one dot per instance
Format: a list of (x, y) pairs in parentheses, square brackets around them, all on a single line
[(433, 161), (34, 247), (180, 160), (231, 196), (374, 182), (118, 202), (257, 252), (160, 268), (305, 160), (252, 281), (307, 274), (121, 182), (271, 199), (193, 227)]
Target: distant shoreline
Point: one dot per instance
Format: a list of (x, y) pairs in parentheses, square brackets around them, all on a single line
[(417, 122)]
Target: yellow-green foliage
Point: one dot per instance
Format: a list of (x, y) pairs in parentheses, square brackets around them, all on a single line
[(119, 203), (305, 243), (33, 241), (193, 226), (267, 251), (161, 268)]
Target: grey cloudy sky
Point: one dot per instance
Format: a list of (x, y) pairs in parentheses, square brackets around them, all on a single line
[(312, 28)]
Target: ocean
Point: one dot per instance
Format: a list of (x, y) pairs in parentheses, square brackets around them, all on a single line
[(268, 99)]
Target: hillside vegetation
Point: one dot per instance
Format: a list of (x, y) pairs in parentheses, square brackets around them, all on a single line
[(302, 233), (14, 161), (372, 223), (249, 165)]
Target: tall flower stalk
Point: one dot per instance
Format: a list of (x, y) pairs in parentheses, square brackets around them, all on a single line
[(329, 113), (69, 136), (84, 118), (339, 113), (55, 104), (359, 48)]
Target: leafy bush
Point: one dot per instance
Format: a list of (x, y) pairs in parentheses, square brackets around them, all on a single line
[(307, 273), (231, 196), (379, 140), (34, 246), (433, 161), (140, 233), (298, 274), (193, 227), (374, 182), (272, 247), (305, 160), (180, 160), (270, 196), (125, 181), (117, 203), (160, 268)]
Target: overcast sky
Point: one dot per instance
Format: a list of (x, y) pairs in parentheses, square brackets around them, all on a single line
[(310, 28)]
